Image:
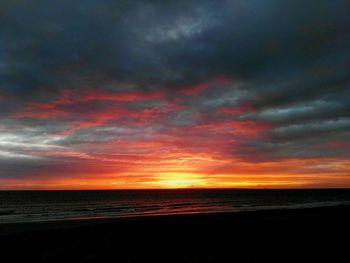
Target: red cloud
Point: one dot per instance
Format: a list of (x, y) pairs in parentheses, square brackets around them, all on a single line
[(124, 96), (196, 89), (237, 110), (39, 110)]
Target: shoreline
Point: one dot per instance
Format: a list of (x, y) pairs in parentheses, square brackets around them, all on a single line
[(286, 235), (23, 227)]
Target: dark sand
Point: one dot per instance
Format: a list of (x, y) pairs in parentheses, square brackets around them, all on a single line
[(304, 235)]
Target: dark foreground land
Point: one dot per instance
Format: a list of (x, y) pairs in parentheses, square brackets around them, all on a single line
[(305, 235)]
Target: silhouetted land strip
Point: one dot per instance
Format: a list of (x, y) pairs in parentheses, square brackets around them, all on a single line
[(303, 235)]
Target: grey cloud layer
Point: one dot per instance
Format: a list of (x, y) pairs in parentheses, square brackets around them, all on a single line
[(177, 40)]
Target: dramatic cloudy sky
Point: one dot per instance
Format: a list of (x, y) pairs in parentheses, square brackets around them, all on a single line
[(147, 94)]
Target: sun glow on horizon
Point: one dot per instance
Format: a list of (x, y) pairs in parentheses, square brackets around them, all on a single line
[(198, 174), (179, 180)]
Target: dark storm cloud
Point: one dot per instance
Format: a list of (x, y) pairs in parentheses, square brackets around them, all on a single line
[(286, 63), (174, 41)]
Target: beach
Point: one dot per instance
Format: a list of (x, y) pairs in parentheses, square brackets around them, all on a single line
[(283, 235)]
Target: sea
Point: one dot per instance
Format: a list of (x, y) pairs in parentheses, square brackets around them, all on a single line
[(41, 206)]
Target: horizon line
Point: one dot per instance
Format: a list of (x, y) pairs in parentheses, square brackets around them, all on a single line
[(176, 189)]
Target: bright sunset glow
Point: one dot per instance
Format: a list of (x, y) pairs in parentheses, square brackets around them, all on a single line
[(226, 94), (180, 180)]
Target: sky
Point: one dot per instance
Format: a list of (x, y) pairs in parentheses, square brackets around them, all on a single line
[(102, 94)]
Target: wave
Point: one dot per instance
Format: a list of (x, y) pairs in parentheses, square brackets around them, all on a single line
[(6, 212)]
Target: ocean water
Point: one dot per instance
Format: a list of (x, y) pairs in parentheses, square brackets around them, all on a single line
[(36, 206)]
